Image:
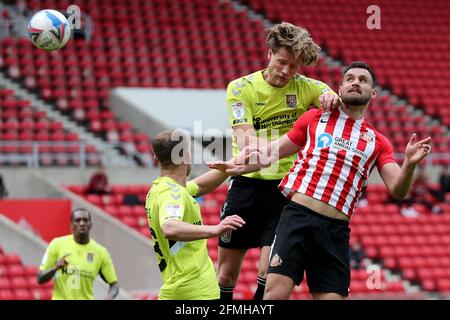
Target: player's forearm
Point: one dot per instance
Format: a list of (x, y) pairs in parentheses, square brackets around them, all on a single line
[(246, 136), (403, 180), (276, 150), (210, 180), (46, 276), (182, 231), (113, 291)]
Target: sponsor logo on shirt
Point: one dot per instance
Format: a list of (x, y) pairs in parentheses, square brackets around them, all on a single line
[(240, 121), (324, 140), (278, 121), (291, 100), (347, 145), (342, 144)]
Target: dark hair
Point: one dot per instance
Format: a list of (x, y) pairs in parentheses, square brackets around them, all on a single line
[(163, 145), (362, 65), (80, 209)]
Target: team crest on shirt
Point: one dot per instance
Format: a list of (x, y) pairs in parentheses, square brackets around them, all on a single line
[(291, 100), (238, 110), (90, 257)]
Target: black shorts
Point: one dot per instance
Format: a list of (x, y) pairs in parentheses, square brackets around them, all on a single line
[(259, 203), (311, 242)]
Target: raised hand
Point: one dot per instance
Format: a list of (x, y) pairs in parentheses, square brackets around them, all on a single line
[(329, 101), (248, 160), (417, 150), (62, 262)]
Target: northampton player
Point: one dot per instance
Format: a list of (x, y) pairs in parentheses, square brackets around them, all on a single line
[(176, 225), (262, 107), (75, 260)]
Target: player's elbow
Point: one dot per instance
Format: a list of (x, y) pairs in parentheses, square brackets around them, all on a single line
[(169, 230)]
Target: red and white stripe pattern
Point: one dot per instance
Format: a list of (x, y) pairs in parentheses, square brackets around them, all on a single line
[(335, 161)]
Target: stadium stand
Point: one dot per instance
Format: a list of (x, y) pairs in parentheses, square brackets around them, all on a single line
[(79, 86), (18, 281), (408, 51), (27, 133)]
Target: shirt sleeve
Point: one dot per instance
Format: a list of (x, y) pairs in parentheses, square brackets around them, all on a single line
[(316, 89), (298, 133), (192, 188), (386, 154), (107, 270), (171, 207), (238, 104), (50, 256)]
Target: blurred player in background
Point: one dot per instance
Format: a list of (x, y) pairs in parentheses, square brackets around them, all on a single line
[(336, 152), (176, 225), (74, 261), (98, 183), (263, 106)]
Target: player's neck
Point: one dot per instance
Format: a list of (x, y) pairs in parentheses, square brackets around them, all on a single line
[(355, 112), (81, 239), (178, 174)]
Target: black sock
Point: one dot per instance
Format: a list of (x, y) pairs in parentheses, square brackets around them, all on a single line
[(259, 293), (226, 293)]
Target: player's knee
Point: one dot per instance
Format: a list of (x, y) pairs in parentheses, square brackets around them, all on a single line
[(227, 279), (271, 294), (262, 272), (276, 291)]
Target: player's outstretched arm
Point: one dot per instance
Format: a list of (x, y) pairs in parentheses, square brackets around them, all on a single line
[(210, 180), (398, 179), (182, 231), (252, 158)]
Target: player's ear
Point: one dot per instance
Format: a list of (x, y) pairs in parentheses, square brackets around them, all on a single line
[(374, 93), (269, 54), (340, 90)]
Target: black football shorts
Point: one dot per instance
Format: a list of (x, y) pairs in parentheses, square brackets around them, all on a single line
[(259, 203), (308, 241)]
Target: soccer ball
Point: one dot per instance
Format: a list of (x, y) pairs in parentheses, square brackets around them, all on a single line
[(49, 30)]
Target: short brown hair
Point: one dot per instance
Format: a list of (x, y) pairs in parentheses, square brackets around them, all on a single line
[(163, 146), (362, 65), (296, 39)]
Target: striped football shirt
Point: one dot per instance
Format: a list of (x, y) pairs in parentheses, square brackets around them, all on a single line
[(336, 158)]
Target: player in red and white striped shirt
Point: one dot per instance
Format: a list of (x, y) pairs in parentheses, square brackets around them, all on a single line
[(336, 152)]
